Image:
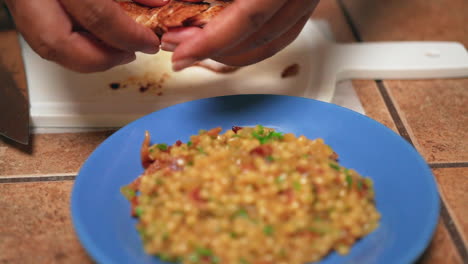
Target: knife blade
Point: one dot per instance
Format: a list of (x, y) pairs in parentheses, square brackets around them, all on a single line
[(14, 105)]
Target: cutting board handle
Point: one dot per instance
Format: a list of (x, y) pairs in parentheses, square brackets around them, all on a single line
[(400, 60)]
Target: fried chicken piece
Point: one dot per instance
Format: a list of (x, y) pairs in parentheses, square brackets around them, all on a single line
[(173, 15), (180, 14)]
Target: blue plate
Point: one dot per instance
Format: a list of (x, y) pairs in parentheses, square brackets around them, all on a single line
[(406, 193)]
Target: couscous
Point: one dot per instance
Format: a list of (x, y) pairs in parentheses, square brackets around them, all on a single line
[(249, 196)]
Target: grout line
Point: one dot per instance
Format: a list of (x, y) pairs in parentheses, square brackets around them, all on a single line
[(454, 234), (446, 218), (349, 21), (393, 112), (49, 178), (448, 165), (38, 175)]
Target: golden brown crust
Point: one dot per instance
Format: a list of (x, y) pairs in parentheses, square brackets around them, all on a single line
[(175, 14)]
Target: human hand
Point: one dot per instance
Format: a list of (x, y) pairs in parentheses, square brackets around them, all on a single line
[(246, 32), (86, 35)]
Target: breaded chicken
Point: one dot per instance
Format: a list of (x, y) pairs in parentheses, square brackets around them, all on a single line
[(175, 14)]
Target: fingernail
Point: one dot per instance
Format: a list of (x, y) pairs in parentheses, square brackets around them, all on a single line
[(168, 46), (182, 64), (128, 59), (150, 49)]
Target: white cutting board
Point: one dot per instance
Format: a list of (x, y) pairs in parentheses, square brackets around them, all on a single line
[(62, 98)]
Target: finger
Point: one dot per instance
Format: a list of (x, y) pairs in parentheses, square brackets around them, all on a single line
[(265, 51), (153, 3), (49, 34), (85, 54), (106, 20), (174, 37), (233, 25), (279, 24)]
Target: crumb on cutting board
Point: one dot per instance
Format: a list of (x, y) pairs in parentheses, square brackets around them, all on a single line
[(290, 71), (143, 83)]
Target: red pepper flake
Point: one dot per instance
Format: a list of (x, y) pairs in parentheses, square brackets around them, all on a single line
[(135, 184), (146, 160), (289, 194), (134, 204), (178, 143), (263, 150), (302, 169), (248, 166), (195, 195), (206, 259), (214, 132), (236, 128)]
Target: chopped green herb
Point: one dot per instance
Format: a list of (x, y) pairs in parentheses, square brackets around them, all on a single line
[(280, 179), (194, 258), (282, 253), (272, 135), (162, 147), (159, 181), (142, 232), (306, 156), (138, 211), (164, 257), (201, 131), (168, 258), (316, 230), (189, 143), (214, 259), (334, 166), (178, 212), (205, 252), (165, 236), (243, 261), (297, 185), (268, 230), (234, 235), (236, 136), (269, 158), (260, 129), (241, 213), (151, 150), (128, 192), (200, 149), (349, 180)]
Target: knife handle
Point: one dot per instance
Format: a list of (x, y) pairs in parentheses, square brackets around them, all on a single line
[(6, 21)]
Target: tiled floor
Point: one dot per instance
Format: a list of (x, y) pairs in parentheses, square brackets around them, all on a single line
[(48, 153), (435, 113), (36, 225), (431, 114), (35, 182)]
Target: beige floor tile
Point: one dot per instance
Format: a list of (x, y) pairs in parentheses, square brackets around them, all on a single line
[(35, 224), (453, 184), (48, 153)]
